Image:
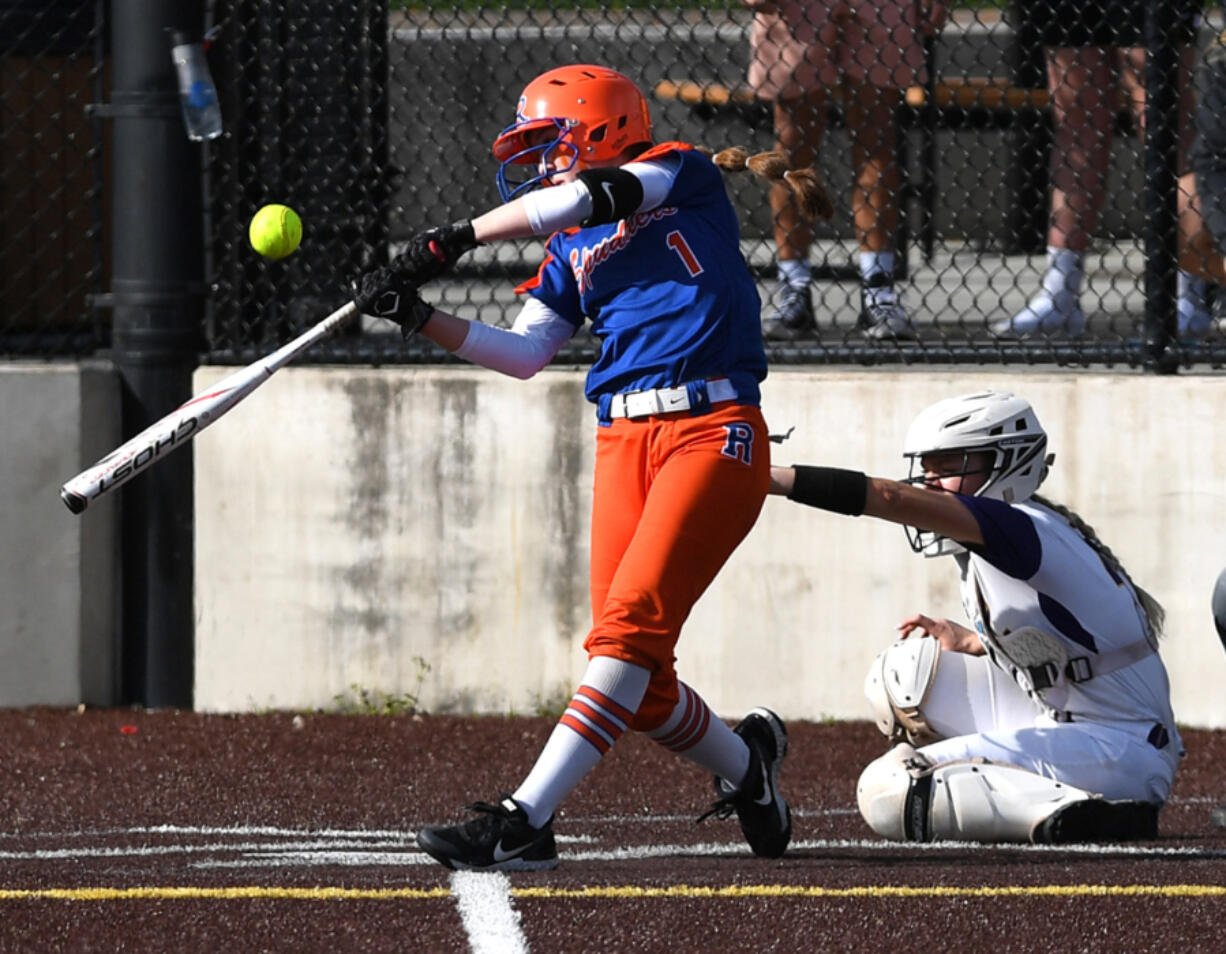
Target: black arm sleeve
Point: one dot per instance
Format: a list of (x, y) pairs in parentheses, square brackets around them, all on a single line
[(615, 192), (831, 488)]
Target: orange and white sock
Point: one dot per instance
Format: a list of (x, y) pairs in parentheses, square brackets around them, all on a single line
[(695, 734), (596, 717)]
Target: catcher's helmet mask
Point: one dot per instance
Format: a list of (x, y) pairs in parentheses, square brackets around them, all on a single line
[(996, 422)]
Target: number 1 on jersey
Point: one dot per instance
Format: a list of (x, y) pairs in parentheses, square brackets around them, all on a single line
[(679, 245)]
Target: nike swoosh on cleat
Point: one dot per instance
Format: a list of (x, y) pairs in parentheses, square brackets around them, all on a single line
[(501, 856), (767, 795)]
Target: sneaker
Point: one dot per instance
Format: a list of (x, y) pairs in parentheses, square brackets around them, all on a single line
[(792, 317), (1097, 819), (499, 840), (1219, 816), (1044, 315), (882, 315), (765, 817)]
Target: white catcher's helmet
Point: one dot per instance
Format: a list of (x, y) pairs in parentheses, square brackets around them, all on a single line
[(994, 421)]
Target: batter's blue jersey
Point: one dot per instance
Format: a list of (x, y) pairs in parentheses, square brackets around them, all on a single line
[(667, 292)]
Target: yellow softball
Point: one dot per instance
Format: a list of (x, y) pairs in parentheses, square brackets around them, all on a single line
[(275, 231)]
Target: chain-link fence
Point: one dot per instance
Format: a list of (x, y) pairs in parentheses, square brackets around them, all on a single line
[(992, 198), (52, 174)]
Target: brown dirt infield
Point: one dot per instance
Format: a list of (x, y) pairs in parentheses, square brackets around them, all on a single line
[(125, 830)]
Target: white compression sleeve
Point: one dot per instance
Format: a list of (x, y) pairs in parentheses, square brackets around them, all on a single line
[(558, 207), (524, 348), (657, 178), (564, 206)]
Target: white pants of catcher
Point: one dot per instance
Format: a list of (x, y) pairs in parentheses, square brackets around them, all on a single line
[(982, 713)]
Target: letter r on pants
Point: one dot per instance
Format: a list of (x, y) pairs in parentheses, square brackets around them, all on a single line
[(739, 445)]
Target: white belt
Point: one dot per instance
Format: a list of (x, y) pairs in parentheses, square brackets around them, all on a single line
[(666, 400)]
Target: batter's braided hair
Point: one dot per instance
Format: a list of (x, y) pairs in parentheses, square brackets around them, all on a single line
[(806, 184), (1155, 615)]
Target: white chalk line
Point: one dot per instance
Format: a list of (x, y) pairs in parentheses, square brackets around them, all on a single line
[(484, 900), (407, 837), (490, 917), (394, 854), (249, 831), (262, 846), (118, 851), (244, 831)]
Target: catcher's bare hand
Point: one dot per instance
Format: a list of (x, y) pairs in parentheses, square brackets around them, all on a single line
[(953, 637)]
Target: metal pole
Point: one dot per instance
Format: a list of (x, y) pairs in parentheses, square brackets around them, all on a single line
[(1161, 184), (1029, 137), (156, 292)]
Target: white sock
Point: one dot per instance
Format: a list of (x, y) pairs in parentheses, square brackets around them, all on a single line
[(795, 271), (607, 698), (1065, 271), (695, 734), (876, 263)]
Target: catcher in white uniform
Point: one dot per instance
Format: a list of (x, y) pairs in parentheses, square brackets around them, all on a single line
[(1048, 721)]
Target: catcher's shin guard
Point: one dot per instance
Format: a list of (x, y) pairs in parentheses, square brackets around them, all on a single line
[(904, 797)]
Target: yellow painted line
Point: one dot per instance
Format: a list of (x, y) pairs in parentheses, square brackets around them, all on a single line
[(224, 894), (626, 892), (882, 891)]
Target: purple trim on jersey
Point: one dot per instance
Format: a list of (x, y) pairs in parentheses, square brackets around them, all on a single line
[(1010, 540), (1011, 544), (1066, 622)]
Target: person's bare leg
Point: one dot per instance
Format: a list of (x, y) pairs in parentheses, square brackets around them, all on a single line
[(1082, 82), (875, 199), (1192, 285), (798, 131), (1198, 254)]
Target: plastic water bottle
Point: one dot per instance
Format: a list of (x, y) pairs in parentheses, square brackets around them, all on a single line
[(197, 94)]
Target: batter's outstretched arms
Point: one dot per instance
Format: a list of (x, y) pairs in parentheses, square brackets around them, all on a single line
[(583, 198)]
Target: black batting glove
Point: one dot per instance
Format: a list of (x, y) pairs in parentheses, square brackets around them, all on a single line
[(387, 292), (434, 252)]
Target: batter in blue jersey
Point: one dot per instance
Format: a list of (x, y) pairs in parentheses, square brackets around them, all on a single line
[(645, 246)]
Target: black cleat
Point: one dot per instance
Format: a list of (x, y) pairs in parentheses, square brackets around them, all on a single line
[(1097, 819), (499, 840), (765, 817)]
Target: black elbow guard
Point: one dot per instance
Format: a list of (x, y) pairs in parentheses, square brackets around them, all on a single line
[(615, 193), (831, 488)]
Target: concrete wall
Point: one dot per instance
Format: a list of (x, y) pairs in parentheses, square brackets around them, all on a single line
[(354, 523), (57, 624)]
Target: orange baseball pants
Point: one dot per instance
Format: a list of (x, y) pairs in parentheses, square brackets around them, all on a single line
[(674, 495)]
